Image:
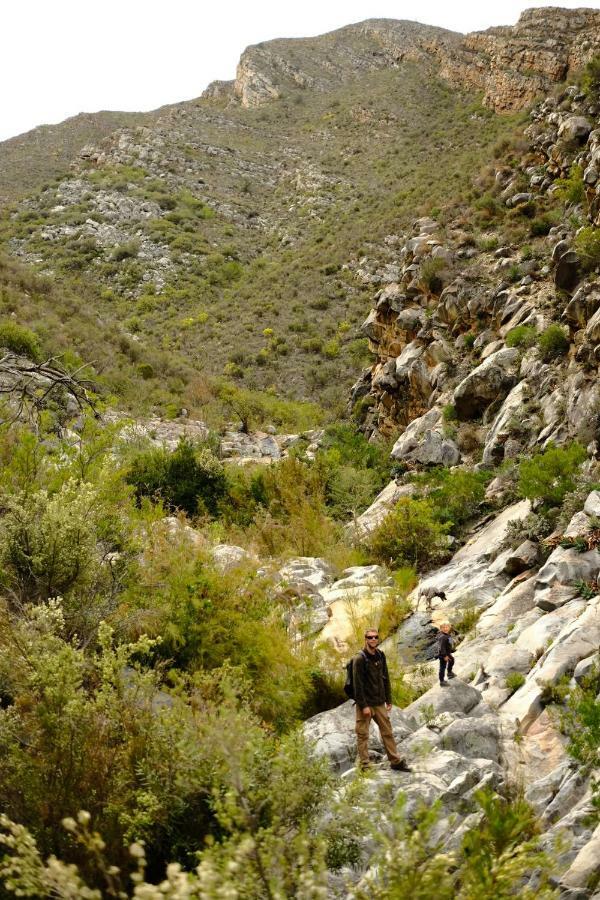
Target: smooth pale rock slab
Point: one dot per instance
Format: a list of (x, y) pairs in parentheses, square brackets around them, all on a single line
[(380, 507), (567, 565), (506, 658), (585, 667), (456, 697), (586, 864), (539, 635), (488, 541), (592, 504), (555, 596), (543, 749), (524, 557), (468, 575), (227, 556), (333, 735), (354, 603), (474, 737), (510, 607), (575, 642), (542, 791)]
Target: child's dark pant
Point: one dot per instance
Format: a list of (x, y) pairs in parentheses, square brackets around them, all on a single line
[(444, 664)]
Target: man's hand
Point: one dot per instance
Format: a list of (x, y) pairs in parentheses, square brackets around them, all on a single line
[(446, 659), (388, 707), (366, 711)]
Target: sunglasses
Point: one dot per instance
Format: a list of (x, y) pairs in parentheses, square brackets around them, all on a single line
[(372, 637)]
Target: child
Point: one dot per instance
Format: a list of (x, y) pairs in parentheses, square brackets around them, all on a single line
[(445, 648)]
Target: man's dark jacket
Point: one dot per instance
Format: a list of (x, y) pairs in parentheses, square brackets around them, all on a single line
[(371, 679)]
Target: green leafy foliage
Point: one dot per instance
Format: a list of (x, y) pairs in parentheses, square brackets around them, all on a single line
[(513, 681), (188, 479), (548, 476), (587, 244), (553, 342), (19, 339), (590, 79), (410, 535), (572, 188), (455, 495), (354, 470), (521, 336)]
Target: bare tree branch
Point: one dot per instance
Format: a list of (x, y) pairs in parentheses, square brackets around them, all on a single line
[(27, 385)]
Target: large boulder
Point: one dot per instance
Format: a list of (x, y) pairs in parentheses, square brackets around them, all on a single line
[(567, 566), (380, 507), (585, 868), (353, 603), (575, 128), (487, 383), (333, 735), (456, 697), (473, 737), (577, 640)]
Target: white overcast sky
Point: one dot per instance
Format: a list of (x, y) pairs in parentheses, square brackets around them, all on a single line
[(61, 57)]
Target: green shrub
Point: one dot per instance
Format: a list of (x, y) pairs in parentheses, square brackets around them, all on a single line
[(580, 721), (572, 188), (431, 270), (587, 245), (466, 617), (541, 225), (514, 681), (521, 336), (410, 535), (58, 545), (449, 413), (469, 340), (19, 339), (553, 342), (128, 250), (188, 478), (548, 476), (454, 495), (590, 79)]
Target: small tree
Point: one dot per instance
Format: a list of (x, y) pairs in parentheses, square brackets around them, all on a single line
[(410, 535), (550, 475), (189, 479)]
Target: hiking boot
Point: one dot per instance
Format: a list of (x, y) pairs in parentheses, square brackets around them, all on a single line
[(451, 675), (443, 684), (400, 766)]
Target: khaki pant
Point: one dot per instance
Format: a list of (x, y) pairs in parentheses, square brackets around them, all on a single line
[(380, 716)]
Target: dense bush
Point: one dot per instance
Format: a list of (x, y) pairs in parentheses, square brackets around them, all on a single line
[(188, 479), (572, 188), (454, 495), (553, 342), (431, 272), (410, 535), (587, 244), (521, 336), (354, 470), (548, 476), (20, 340), (590, 79)]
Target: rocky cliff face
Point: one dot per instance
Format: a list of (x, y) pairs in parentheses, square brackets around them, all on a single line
[(511, 65), (443, 332)]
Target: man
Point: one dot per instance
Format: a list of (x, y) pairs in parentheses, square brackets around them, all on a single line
[(373, 695)]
